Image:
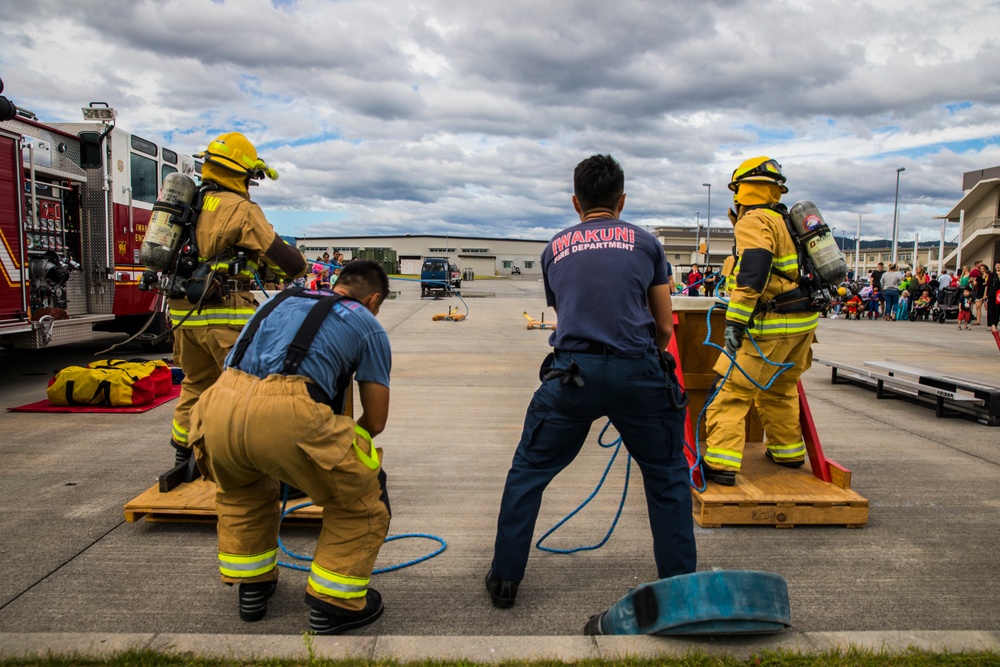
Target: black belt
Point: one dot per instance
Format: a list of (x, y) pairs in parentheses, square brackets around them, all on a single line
[(592, 348)]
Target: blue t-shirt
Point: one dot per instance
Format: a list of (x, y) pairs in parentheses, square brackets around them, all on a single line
[(349, 339), (596, 275)]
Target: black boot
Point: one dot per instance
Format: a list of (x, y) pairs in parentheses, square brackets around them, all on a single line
[(181, 453), (787, 464), (327, 619), (253, 600), (502, 592), (723, 477)]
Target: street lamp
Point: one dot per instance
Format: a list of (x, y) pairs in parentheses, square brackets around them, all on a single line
[(708, 224), (895, 216), (697, 234)]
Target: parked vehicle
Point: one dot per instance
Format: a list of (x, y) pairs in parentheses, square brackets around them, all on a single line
[(516, 271), (456, 276), (435, 275)]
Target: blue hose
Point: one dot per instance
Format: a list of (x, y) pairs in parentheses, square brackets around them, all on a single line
[(391, 538)]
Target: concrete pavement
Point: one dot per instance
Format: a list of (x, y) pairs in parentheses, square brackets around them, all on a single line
[(923, 572)]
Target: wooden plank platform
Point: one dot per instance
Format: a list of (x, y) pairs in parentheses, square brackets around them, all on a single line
[(194, 502), (770, 495)]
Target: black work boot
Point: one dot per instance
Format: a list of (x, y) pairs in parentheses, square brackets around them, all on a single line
[(328, 619), (723, 477), (787, 464), (253, 599), (181, 453), (593, 626), (502, 592)]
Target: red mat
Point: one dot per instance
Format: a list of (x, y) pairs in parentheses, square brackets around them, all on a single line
[(46, 406)]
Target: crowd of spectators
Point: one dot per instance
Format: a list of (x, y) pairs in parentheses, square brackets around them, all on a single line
[(897, 294)]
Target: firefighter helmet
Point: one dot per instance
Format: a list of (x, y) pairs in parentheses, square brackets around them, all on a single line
[(759, 169), (234, 152)]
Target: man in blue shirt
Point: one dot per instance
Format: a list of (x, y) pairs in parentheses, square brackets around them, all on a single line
[(607, 279), (276, 415)]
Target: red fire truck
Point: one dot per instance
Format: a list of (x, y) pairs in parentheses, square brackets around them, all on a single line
[(75, 199)]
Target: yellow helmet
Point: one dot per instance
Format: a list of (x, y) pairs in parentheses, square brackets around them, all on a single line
[(758, 169), (234, 152)]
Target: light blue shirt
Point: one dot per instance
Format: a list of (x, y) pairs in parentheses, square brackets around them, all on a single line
[(350, 339)]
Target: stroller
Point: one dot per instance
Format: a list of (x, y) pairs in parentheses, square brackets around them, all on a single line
[(922, 310), (947, 306), (869, 303)]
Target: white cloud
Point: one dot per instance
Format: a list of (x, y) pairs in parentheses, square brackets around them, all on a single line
[(433, 116)]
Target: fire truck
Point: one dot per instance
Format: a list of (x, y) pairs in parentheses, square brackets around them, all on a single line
[(75, 199)]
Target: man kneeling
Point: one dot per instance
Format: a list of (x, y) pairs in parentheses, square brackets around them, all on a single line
[(274, 415)]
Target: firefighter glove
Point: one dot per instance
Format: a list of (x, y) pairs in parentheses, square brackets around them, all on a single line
[(734, 337)]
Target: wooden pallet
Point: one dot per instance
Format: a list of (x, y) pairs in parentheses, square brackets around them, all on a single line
[(771, 495), (194, 502)]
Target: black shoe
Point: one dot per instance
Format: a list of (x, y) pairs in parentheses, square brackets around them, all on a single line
[(593, 626), (502, 592), (723, 477), (787, 464), (181, 453), (253, 600), (327, 619)]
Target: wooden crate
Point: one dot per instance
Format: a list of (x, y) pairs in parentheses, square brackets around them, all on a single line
[(194, 502), (771, 495)]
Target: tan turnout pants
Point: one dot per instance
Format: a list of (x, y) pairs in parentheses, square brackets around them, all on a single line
[(248, 433), (201, 353), (778, 407)]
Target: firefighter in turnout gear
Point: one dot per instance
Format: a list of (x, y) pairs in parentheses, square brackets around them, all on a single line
[(232, 238), (765, 301), (276, 415)]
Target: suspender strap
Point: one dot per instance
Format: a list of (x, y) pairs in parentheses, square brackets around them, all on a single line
[(300, 345), (302, 341), (254, 324)]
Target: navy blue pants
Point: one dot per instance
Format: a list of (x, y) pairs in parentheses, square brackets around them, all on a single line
[(635, 395)]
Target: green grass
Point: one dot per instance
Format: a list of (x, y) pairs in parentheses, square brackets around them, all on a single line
[(853, 658)]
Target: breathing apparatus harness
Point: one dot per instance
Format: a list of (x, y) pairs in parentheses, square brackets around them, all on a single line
[(814, 288)]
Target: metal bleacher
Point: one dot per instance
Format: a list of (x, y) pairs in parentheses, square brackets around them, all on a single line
[(951, 394)]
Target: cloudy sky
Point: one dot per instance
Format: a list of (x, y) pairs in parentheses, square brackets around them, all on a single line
[(438, 116)]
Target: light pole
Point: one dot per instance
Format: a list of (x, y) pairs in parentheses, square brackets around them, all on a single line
[(697, 234), (895, 216), (708, 224)]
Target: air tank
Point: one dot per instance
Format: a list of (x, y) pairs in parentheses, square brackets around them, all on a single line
[(819, 243), (163, 234)]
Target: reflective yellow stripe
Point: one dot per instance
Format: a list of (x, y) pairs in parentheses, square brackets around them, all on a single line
[(337, 585), (786, 262), (725, 458), (738, 312), (214, 317), (370, 460), (793, 451), (179, 433), (783, 324), (244, 567)]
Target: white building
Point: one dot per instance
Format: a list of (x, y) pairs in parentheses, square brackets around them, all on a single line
[(978, 215), (483, 256)]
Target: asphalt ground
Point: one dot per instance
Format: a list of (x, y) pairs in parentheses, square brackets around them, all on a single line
[(923, 572)]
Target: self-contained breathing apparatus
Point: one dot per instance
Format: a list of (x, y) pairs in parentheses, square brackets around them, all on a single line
[(822, 266), (169, 248)]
